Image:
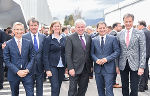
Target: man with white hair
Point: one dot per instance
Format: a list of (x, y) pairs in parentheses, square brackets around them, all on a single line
[(18, 57), (78, 59)]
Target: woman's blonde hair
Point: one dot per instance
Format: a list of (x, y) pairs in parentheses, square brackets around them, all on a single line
[(51, 26)]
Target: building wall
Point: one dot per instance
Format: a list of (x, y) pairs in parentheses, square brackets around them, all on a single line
[(137, 7), (38, 9)]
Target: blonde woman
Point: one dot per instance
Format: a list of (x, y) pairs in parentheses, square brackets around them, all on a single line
[(54, 57)]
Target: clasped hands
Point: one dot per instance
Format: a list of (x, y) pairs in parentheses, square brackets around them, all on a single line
[(23, 73), (101, 61)]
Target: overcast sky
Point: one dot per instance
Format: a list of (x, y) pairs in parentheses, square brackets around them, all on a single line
[(91, 9)]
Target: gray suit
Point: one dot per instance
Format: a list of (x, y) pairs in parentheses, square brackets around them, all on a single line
[(130, 60), (136, 51), (78, 59)]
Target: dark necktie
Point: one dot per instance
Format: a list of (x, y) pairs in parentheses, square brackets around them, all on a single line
[(102, 43), (83, 43), (35, 43)]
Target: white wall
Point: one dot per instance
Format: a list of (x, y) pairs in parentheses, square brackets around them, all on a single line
[(140, 9)]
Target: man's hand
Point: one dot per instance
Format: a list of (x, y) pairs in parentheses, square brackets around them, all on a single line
[(72, 72), (22, 73), (49, 73), (140, 71), (117, 70), (104, 60), (3, 45), (99, 61)]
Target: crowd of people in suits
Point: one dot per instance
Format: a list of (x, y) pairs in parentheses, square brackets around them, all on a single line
[(58, 50)]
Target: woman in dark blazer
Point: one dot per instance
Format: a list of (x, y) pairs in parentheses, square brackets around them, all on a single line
[(54, 57)]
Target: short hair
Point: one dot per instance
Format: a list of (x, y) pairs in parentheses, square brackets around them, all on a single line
[(128, 15), (51, 26), (109, 27), (79, 21), (101, 22), (88, 27), (142, 23), (115, 25), (64, 28), (18, 23), (33, 20)]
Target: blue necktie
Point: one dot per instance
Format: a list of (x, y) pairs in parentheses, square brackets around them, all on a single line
[(35, 43), (102, 43)]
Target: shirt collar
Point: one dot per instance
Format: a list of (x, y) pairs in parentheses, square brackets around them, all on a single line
[(82, 35), (130, 29), (102, 36), (53, 36), (18, 40), (34, 34)]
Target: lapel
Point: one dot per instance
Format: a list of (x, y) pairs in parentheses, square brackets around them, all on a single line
[(23, 46), (106, 41), (87, 41), (40, 41), (98, 42), (30, 37), (122, 38), (15, 46), (78, 40), (132, 37)]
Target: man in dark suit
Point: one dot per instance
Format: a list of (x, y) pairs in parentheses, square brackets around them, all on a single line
[(78, 59), (104, 50), (37, 40), (116, 28), (1, 59), (18, 57), (143, 83)]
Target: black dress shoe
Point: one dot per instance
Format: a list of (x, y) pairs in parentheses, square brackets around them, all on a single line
[(141, 90)]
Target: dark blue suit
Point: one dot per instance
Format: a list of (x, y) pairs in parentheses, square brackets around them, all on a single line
[(14, 61), (52, 52), (38, 67), (1, 59), (105, 73)]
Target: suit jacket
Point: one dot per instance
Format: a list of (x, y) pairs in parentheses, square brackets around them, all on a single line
[(135, 53), (52, 52), (38, 63), (114, 33), (111, 52), (147, 35), (76, 56), (14, 60), (2, 39)]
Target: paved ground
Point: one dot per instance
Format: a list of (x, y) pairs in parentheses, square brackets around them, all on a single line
[(92, 90)]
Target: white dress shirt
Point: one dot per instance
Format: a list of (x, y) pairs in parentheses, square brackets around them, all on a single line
[(60, 64), (18, 40), (37, 38), (83, 37), (130, 33), (100, 38)]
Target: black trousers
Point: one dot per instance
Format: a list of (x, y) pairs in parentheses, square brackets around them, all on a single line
[(1, 72), (80, 80), (134, 80), (143, 82)]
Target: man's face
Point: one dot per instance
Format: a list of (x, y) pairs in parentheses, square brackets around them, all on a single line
[(102, 30), (18, 30), (33, 26), (128, 22), (119, 27), (80, 28)]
